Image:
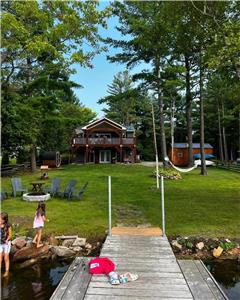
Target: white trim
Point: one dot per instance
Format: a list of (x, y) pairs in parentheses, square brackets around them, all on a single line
[(100, 120)]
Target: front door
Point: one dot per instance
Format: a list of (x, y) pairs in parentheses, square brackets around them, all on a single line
[(105, 156)]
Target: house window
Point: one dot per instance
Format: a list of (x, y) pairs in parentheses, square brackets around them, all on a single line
[(180, 154)]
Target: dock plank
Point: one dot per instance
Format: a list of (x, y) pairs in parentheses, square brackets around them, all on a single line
[(219, 294), (74, 284), (113, 291), (198, 284)]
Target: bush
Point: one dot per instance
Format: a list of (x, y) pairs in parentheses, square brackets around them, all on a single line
[(65, 158), (169, 174), (228, 245)]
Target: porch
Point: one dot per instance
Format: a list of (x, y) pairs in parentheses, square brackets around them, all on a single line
[(104, 155)]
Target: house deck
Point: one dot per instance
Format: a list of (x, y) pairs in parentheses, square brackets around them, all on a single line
[(161, 276)]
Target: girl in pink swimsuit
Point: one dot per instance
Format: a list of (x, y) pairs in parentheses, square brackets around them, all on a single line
[(38, 223)]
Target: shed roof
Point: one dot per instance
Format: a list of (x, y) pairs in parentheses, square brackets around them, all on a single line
[(195, 145)]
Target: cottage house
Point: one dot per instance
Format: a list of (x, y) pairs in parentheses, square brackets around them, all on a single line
[(179, 155), (104, 141)]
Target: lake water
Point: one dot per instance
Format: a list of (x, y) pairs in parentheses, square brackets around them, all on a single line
[(40, 281), (227, 274)]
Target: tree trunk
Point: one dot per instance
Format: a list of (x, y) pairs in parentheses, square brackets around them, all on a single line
[(172, 126), (239, 136), (220, 135), (189, 112), (5, 158), (155, 145), (202, 148), (224, 137), (160, 103), (33, 158)]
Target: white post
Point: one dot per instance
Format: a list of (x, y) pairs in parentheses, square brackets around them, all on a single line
[(157, 172), (163, 208), (109, 207)]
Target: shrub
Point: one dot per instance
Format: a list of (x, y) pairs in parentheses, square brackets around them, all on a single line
[(169, 174), (228, 245)]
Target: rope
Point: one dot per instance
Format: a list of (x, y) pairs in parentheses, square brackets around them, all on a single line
[(185, 170)]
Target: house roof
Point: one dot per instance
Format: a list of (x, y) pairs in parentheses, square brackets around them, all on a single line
[(195, 145), (102, 120)]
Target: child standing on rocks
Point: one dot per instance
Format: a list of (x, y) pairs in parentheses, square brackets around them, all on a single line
[(38, 223), (6, 234)]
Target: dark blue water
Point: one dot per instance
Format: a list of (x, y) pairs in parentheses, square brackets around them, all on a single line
[(227, 274), (40, 281)]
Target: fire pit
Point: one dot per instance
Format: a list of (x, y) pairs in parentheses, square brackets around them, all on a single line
[(36, 196)]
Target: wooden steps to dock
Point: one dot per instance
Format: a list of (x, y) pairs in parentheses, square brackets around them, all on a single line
[(151, 257)]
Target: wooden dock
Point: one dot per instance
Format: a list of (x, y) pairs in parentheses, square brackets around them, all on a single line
[(161, 276)]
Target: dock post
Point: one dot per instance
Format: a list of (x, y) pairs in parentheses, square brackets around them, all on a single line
[(109, 206), (163, 208)]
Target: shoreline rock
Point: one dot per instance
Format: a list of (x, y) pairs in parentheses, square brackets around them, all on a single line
[(205, 248), (24, 253)]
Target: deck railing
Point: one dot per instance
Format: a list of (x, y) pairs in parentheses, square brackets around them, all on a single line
[(103, 141)]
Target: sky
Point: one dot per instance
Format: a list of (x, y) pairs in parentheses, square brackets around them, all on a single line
[(95, 81)]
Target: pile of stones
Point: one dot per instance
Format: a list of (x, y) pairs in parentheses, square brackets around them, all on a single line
[(24, 252)]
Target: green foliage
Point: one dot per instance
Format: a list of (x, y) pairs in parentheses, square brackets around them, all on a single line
[(189, 245), (130, 106), (175, 42), (15, 230), (40, 42), (169, 173), (228, 245)]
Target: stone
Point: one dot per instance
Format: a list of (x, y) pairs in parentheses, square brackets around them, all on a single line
[(76, 249), (88, 246), (30, 252), (19, 242), (17, 238), (62, 251), (200, 245), (68, 243), (201, 255), (217, 251), (176, 244), (29, 242), (13, 249), (235, 251), (88, 251), (28, 263), (52, 241), (79, 242)]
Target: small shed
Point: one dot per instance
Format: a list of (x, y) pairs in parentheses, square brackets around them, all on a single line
[(52, 159), (180, 154)]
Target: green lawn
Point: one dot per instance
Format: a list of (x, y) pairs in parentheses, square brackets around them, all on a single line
[(195, 205)]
